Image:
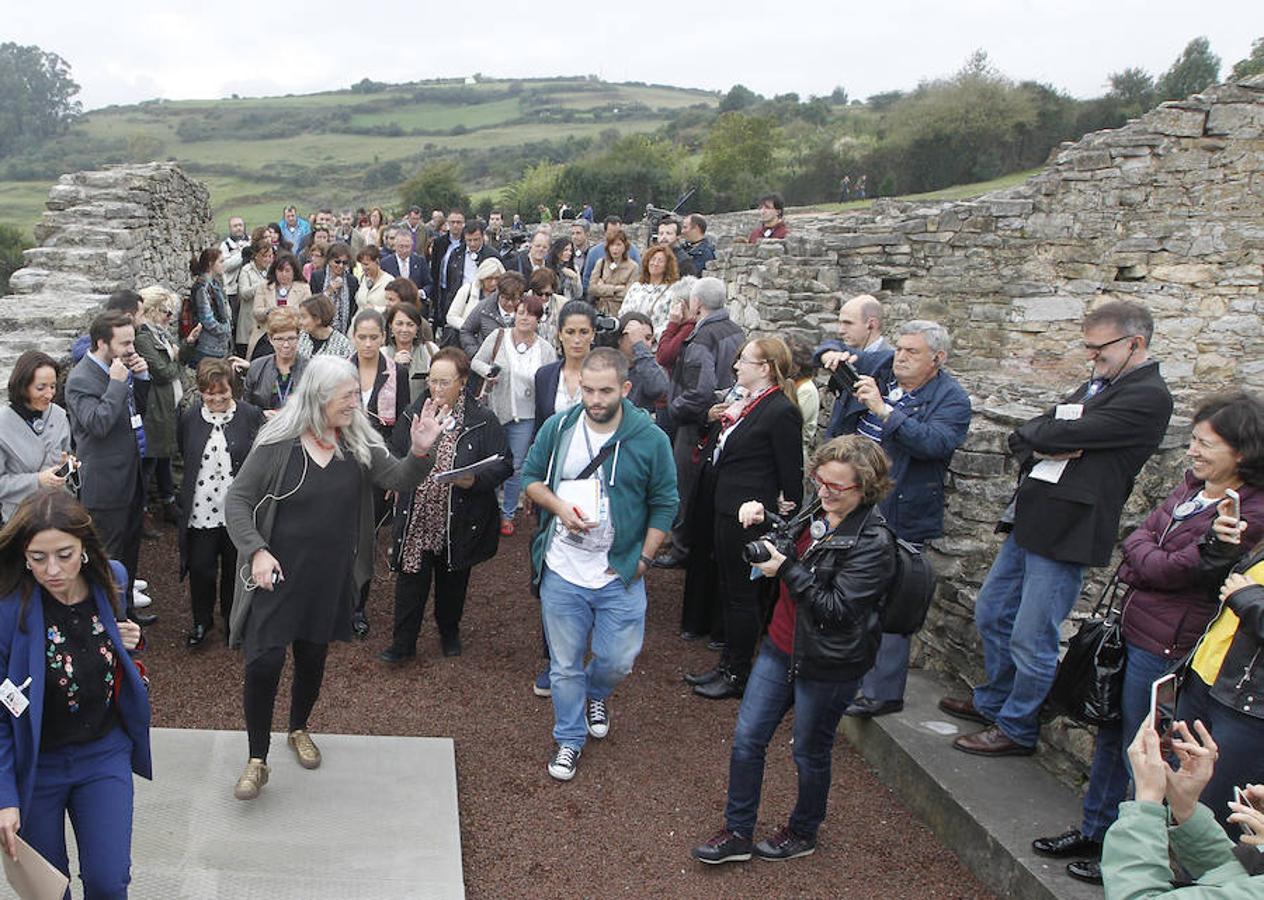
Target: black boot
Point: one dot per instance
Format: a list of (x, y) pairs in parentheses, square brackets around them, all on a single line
[(725, 687), (705, 677)]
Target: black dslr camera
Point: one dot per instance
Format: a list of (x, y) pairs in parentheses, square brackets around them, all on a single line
[(607, 332), (782, 536), (843, 379)]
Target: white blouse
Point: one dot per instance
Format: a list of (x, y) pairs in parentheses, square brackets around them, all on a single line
[(214, 474)]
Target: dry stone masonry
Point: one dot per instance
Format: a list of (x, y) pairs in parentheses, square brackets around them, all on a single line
[(122, 227), (1167, 210)]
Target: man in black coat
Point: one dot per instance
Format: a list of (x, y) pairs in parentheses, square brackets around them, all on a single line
[(442, 245), (462, 264), (403, 263), (1078, 462)]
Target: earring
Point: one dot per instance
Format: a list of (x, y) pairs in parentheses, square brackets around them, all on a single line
[(84, 557), (28, 565)]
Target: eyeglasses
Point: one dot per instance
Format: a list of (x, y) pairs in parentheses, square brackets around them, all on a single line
[(751, 362), (1098, 348), (337, 262), (277, 339), (830, 486), (441, 383)]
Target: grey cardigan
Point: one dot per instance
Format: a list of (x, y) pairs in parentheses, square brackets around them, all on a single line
[(251, 505), (23, 453)]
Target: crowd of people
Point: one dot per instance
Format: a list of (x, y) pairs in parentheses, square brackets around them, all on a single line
[(452, 389)]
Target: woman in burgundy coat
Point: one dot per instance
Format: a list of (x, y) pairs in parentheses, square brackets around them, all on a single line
[(1169, 605)]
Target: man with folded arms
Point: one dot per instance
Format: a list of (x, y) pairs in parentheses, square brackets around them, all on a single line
[(1077, 465)]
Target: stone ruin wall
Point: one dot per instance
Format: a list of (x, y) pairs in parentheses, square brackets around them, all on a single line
[(1167, 210), (122, 227)]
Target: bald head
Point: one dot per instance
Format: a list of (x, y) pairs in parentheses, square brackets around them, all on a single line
[(860, 321)]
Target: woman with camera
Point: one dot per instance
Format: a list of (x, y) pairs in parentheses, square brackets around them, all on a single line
[(317, 459), (515, 354), (34, 432), (64, 643), (1168, 605), (832, 573), (753, 451), (443, 530), (216, 433)]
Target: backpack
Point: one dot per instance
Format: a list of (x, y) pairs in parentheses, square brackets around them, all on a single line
[(911, 592)]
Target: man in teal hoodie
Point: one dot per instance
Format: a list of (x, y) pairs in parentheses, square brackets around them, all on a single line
[(604, 480)]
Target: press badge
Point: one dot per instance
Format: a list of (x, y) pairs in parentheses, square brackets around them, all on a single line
[(12, 697), (136, 421)]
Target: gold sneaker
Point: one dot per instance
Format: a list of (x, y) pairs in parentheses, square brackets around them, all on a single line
[(305, 748), (252, 780)]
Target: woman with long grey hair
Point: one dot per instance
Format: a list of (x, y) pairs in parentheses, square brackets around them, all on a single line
[(302, 559)]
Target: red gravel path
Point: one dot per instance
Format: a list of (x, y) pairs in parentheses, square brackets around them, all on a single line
[(642, 797)]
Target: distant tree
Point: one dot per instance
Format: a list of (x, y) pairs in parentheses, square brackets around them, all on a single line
[(1253, 64), (637, 164), (437, 186), (368, 86), (791, 97), (884, 101), (1132, 89), (537, 187), (738, 157), (36, 96), (839, 96), (739, 97), (12, 243), (1196, 68)]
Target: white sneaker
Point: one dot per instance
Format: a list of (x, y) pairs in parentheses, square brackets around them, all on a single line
[(139, 584), (597, 717), (562, 766), (139, 600)]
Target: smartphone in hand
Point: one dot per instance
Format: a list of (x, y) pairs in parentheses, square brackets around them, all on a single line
[(1235, 502), (1163, 710), (1239, 796)]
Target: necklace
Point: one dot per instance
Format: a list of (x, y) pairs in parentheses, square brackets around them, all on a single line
[(324, 444)]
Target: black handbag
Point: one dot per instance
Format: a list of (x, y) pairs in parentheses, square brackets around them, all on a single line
[(1089, 683)]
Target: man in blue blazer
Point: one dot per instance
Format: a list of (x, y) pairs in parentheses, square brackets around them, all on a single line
[(105, 397), (861, 341), (403, 263), (920, 415)]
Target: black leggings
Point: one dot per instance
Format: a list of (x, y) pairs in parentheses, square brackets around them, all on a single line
[(263, 674), (212, 559), (411, 593)]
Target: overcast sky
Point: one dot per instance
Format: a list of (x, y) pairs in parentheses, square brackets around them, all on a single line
[(141, 49)]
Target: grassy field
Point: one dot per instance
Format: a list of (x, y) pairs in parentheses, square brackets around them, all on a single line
[(244, 175), (956, 192)]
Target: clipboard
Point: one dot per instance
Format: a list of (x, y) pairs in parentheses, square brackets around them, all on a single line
[(472, 469), (32, 876)]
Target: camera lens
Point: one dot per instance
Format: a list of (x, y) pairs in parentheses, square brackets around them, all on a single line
[(755, 552)]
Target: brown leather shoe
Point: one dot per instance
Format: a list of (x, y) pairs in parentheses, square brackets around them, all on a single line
[(963, 709), (991, 742)]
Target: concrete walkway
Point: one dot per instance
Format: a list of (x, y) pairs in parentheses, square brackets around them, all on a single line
[(987, 811), (378, 819)]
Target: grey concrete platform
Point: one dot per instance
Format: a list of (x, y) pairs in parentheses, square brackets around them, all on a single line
[(377, 820), (987, 811)]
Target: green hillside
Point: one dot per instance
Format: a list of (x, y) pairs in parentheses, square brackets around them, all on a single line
[(346, 147)]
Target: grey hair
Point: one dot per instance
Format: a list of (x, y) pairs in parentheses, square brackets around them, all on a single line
[(1128, 316), (935, 334), (710, 292), (681, 289), (305, 410)]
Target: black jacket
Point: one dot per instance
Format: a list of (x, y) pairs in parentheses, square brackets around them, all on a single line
[(1240, 684), (317, 284), (402, 396), (418, 271), (456, 275), (194, 432), (762, 457), (838, 588), (473, 526), (1077, 519)]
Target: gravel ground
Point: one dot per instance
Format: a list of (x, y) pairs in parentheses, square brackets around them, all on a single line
[(641, 798)]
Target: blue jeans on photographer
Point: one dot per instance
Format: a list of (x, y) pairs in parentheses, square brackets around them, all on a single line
[(1108, 779), (818, 707), (1018, 613), (518, 434)]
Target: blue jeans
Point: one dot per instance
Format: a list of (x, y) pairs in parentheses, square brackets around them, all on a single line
[(1108, 779), (614, 617), (93, 782), (818, 706), (1240, 738), (1022, 603), (518, 434)]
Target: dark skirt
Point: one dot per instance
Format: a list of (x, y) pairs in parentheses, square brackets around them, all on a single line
[(314, 539)]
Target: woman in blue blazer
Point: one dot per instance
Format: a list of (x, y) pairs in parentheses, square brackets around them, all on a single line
[(86, 730)]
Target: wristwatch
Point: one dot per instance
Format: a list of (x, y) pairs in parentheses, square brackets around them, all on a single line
[(649, 563)]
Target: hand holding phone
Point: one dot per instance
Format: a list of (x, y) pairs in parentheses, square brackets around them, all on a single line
[(1244, 821), (1235, 503), (1163, 710)]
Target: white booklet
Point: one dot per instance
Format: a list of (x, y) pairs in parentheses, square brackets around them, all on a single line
[(32, 877), (472, 469)]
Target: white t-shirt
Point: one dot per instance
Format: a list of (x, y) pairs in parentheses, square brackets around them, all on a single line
[(563, 400), (569, 558)]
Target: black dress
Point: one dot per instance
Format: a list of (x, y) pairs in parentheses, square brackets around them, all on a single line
[(314, 539)]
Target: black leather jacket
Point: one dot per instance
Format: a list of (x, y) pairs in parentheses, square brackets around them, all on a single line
[(1240, 684), (838, 588)]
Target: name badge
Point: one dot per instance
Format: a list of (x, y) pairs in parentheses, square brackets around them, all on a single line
[(12, 697), (135, 421), (1068, 411)]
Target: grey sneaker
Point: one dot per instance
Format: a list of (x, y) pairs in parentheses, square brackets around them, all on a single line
[(785, 844), (724, 846), (562, 766)]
